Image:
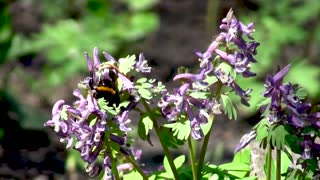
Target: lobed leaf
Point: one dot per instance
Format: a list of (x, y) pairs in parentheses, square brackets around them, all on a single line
[(229, 107)]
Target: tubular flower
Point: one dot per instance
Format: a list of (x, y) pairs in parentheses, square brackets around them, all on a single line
[(286, 108), (97, 116), (180, 102), (239, 53), (190, 100), (240, 57)]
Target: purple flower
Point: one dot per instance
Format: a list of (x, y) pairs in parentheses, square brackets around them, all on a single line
[(241, 57), (180, 102), (245, 140), (87, 124), (227, 80), (141, 65), (236, 28), (273, 83), (311, 149), (212, 47)]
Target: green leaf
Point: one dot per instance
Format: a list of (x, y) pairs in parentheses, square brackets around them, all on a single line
[(103, 105), (167, 167), (178, 162), (206, 127), (126, 64), (285, 162), (93, 122), (144, 126), (132, 175), (295, 174), (226, 171), (148, 123), (145, 93), (262, 129), (300, 92), (235, 166), (277, 136), (199, 95), (159, 88), (181, 129), (242, 156), (166, 135), (227, 69), (141, 80), (210, 80), (63, 113), (145, 88), (239, 170), (229, 107), (249, 178), (292, 141)]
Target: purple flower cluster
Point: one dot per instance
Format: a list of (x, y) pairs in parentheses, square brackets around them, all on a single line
[(286, 108), (284, 98), (96, 119), (238, 55)]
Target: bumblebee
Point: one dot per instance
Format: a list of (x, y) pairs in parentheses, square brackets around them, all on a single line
[(106, 88)]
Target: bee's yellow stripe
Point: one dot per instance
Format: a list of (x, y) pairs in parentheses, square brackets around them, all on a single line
[(107, 89)]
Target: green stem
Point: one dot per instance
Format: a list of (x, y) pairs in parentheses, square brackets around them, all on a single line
[(269, 158), (135, 165), (192, 159), (278, 164), (164, 146), (203, 152), (113, 162), (207, 137)]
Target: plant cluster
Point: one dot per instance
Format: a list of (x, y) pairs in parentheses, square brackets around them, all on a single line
[(97, 123)]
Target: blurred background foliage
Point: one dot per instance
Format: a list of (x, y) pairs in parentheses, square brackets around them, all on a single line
[(42, 45), (67, 29), (289, 33)]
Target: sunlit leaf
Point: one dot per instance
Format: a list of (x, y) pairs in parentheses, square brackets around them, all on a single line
[(181, 129), (167, 167), (132, 175), (229, 107), (148, 123), (206, 127), (262, 129), (63, 113), (242, 156), (277, 136), (144, 126), (178, 162), (127, 64)]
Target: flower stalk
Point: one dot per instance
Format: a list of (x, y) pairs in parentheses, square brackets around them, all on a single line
[(137, 167), (192, 159), (269, 161), (163, 145), (278, 172)]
